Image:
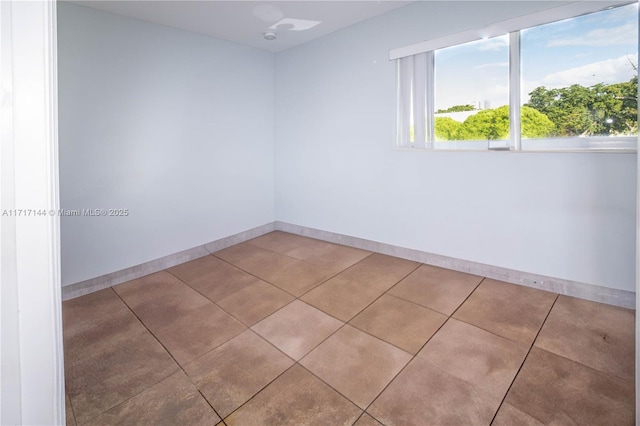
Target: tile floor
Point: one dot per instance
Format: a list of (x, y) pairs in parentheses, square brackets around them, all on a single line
[(288, 330)]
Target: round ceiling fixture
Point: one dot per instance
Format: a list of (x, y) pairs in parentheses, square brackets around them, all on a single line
[(269, 35)]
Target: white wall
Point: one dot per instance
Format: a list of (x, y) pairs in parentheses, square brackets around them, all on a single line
[(176, 127), (565, 215)]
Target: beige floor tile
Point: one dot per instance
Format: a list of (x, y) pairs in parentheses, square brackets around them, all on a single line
[(379, 271), (357, 365), (598, 335), (160, 298), (213, 277), (174, 401), (508, 415), (424, 395), (484, 360), (231, 374), (285, 242), (90, 319), (255, 302), (68, 411), (342, 298), (292, 275), (402, 323), (299, 277), (248, 256), (118, 372), (187, 323), (297, 328), (367, 420), (348, 293), (109, 355), (327, 255), (296, 398), (436, 288), (509, 310), (556, 390)]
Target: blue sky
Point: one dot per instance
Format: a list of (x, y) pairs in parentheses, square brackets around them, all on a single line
[(586, 50)]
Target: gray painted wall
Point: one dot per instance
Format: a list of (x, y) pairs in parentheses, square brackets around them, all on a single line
[(176, 127), (565, 215)]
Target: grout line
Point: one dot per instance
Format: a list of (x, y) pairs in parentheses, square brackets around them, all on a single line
[(218, 306), (150, 386), (421, 348), (402, 369), (272, 283), (297, 362), (294, 362), (252, 274), (262, 388), (595, 370), (344, 323), (367, 306), (336, 274), (491, 332), (379, 338), (330, 386), (524, 360), (73, 412), (467, 298), (359, 417), (207, 401), (180, 367), (413, 303), (208, 300)]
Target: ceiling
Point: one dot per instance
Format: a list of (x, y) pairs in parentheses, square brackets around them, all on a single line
[(246, 21)]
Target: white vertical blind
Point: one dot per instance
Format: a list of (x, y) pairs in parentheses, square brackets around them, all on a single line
[(419, 99), (405, 74), (431, 109), (414, 100)]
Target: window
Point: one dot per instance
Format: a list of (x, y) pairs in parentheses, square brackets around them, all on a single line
[(579, 77), (472, 91), (562, 79)]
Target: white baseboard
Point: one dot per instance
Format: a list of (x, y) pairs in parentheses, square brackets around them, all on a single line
[(622, 298), (105, 281), (592, 292)]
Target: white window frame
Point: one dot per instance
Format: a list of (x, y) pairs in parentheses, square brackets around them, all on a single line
[(416, 88)]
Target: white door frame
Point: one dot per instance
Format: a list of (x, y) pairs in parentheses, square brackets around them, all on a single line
[(638, 262), (31, 362)]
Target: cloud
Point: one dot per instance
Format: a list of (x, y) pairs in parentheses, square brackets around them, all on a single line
[(609, 71), (495, 64), (496, 43), (621, 35)]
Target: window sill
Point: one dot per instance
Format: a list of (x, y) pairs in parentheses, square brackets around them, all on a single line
[(605, 145)]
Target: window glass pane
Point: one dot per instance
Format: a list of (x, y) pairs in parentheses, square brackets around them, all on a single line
[(580, 76), (472, 91)]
